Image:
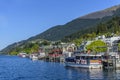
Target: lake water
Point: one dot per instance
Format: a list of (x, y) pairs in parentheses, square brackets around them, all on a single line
[(16, 68)]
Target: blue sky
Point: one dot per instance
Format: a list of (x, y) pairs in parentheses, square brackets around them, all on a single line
[(21, 19)]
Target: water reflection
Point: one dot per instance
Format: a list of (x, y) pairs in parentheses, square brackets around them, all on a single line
[(94, 74), (118, 74), (85, 74)]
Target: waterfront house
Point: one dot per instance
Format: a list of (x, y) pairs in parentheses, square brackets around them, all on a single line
[(55, 54), (68, 49), (41, 53)]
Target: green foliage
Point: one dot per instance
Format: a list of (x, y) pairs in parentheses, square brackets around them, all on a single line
[(112, 26), (97, 46), (103, 28), (28, 47), (77, 41), (118, 46), (13, 53), (45, 42)]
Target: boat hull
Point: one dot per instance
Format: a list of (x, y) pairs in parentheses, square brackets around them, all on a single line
[(91, 66)]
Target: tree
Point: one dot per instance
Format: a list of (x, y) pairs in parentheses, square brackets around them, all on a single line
[(77, 41), (118, 46), (13, 53), (97, 46), (45, 42), (35, 48)]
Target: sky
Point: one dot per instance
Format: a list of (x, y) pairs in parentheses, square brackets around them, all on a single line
[(22, 19)]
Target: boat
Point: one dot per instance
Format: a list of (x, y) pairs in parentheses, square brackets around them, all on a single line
[(34, 57), (84, 61), (23, 55)]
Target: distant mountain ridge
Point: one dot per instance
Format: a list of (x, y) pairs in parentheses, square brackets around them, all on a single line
[(101, 14), (59, 32)]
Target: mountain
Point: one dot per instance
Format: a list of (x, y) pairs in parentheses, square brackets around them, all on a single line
[(80, 24), (101, 14), (60, 31), (108, 28)]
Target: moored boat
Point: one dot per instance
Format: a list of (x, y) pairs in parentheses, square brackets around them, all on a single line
[(33, 56), (84, 61), (22, 55)]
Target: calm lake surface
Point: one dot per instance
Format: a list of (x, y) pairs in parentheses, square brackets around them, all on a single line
[(16, 68)]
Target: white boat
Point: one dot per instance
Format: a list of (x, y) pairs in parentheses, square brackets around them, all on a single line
[(84, 61), (34, 57), (22, 55)]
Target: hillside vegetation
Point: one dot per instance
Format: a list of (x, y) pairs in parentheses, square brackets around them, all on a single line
[(106, 28), (77, 30)]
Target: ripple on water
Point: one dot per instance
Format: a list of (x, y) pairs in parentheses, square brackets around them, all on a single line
[(16, 68)]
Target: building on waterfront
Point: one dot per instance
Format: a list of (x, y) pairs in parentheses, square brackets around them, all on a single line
[(68, 49), (41, 53)]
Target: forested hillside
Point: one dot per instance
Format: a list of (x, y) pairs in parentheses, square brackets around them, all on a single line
[(109, 28), (85, 27)]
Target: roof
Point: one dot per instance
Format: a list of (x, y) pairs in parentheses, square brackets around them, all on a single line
[(116, 41)]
